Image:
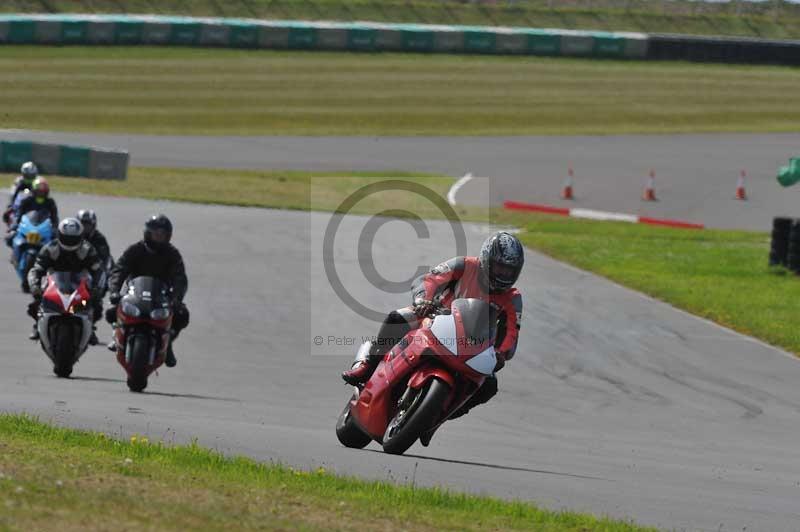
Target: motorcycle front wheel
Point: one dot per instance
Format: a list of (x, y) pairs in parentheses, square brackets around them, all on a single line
[(417, 415), (63, 346), (140, 358)]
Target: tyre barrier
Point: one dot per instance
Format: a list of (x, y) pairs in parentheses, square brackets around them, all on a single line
[(779, 245), (66, 29), (301, 35), (723, 49), (793, 252), (73, 161)]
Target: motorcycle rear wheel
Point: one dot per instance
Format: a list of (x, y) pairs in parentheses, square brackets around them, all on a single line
[(348, 432), (140, 355), (63, 345), (423, 411)]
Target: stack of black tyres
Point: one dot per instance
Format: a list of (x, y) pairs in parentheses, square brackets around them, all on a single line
[(793, 253), (782, 231)]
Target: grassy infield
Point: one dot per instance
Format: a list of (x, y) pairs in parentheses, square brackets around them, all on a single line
[(49, 475), (236, 92)]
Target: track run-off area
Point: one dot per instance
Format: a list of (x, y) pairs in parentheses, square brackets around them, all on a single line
[(696, 175), (615, 404)]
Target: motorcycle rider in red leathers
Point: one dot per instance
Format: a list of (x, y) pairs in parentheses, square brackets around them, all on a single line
[(490, 277)]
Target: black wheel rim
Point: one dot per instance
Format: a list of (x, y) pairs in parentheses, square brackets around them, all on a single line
[(403, 415)]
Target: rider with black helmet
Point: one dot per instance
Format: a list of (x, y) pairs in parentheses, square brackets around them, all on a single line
[(490, 277), (92, 234), (153, 256), (69, 252)]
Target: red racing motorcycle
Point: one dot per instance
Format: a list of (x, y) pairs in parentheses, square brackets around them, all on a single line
[(65, 319), (424, 379), (142, 331)]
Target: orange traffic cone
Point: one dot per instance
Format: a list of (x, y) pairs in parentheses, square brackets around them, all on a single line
[(566, 192), (649, 193), (741, 194)]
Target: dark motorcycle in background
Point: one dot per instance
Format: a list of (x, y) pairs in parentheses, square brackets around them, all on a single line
[(424, 379), (65, 319), (142, 330)]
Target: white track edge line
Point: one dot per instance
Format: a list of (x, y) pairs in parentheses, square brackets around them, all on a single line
[(451, 194)]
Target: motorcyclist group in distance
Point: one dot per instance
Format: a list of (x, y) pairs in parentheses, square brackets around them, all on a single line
[(79, 246)]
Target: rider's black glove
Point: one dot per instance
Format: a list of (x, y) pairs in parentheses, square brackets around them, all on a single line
[(423, 307), (500, 364)]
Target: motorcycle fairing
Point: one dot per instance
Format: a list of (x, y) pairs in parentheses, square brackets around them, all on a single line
[(57, 304), (424, 354), (372, 407), (484, 362), (30, 237), (147, 294)]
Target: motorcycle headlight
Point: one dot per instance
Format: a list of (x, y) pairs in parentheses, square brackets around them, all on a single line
[(159, 314), (131, 310)]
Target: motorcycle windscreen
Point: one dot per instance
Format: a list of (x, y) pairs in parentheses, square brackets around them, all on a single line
[(33, 218), (148, 292), (476, 321), (67, 282)]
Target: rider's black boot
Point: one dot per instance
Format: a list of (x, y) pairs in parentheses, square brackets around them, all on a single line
[(425, 438), (93, 337), (170, 360)]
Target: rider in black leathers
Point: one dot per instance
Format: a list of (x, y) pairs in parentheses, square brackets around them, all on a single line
[(92, 234), (153, 256)]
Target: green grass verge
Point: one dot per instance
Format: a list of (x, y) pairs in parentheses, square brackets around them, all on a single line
[(274, 189), (754, 19), (207, 91), (75, 480), (720, 275)]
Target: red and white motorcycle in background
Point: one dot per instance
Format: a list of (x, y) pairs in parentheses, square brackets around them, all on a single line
[(65, 319), (424, 379)]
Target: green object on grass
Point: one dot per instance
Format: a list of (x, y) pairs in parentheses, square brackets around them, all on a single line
[(789, 175)]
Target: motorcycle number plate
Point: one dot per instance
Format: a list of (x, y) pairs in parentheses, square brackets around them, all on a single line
[(33, 237)]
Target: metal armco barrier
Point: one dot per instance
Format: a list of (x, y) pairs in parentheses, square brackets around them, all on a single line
[(297, 35), (76, 161)]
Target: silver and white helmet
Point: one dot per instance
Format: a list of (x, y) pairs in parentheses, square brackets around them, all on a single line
[(70, 234), (29, 171)]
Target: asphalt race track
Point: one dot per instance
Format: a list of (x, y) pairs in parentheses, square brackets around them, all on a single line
[(695, 174), (615, 404)]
